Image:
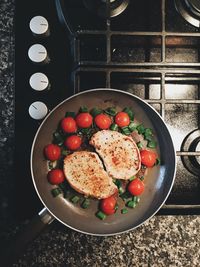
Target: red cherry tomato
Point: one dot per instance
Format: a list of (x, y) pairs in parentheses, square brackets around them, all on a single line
[(122, 119), (107, 205), (103, 121), (148, 158), (56, 176), (73, 142), (136, 187), (84, 120), (68, 125), (52, 152)]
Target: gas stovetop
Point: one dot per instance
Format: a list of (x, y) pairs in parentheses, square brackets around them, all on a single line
[(148, 48)]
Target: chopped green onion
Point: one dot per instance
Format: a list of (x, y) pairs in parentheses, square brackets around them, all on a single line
[(51, 164), (142, 177), (148, 131), (95, 111), (124, 211), (140, 128), (65, 152), (85, 130), (114, 127), (129, 112), (118, 183), (126, 131), (148, 137), (152, 144), (126, 195), (75, 199), (111, 111), (120, 190), (85, 204), (70, 114), (132, 178), (101, 215), (158, 161), (131, 204), (139, 145), (83, 109), (132, 126), (116, 207), (136, 199), (58, 138), (56, 191)]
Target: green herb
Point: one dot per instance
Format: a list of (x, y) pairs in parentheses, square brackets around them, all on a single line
[(129, 112), (70, 114), (126, 195), (139, 145), (120, 190), (148, 131), (148, 137), (56, 191), (125, 130), (85, 204), (132, 126), (136, 199), (140, 128), (116, 207), (118, 183), (132, 178), (158, 161), (101, 215), (58, 138), (65, 152), (142, 177), (111, 111), (96, 111), (124, 211), (131, 204), (152, 144), (114, 127), (75, 199), (50, 164), (83, 109)]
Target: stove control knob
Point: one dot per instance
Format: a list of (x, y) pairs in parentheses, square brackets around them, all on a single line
[(39, 81), (38, 110), (39, 26), (38, 54)]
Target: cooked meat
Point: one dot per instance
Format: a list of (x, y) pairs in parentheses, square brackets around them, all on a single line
[(119, 153), (85, 173)]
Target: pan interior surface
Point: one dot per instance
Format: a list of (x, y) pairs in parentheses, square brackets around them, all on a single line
[(158, 182)]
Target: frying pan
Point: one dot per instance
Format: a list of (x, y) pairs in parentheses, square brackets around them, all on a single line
[(158, 182)]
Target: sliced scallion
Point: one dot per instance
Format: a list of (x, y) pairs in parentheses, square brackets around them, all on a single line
[(70, 114), (114, 127), (83, 109), (132, 126), (95, 111), (148, 131), (101, 215), (75, 199), (126, 131), (158, 161), (131, 204), (139, 145), (142, 177), (132, 178), (85, 204), (58, 138), (65, 152), (124, 211), (56, 191), (136, 199), (126, 195), (140, 128), (129, 112), (120, 190), (111, 111), (152, 144), (148, 137)]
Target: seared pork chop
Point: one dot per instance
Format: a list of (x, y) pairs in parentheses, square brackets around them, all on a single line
[(85, 173), (119, 153)]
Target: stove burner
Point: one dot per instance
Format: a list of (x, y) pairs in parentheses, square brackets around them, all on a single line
[(192, 144), (105, 9), (190, 11)]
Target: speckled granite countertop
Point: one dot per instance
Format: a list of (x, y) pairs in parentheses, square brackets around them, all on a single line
[(162, 241)]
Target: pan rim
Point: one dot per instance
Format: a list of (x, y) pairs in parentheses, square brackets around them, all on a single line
[(40, 197)]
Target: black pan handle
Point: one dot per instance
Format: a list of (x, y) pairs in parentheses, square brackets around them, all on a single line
[(16, 247)]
